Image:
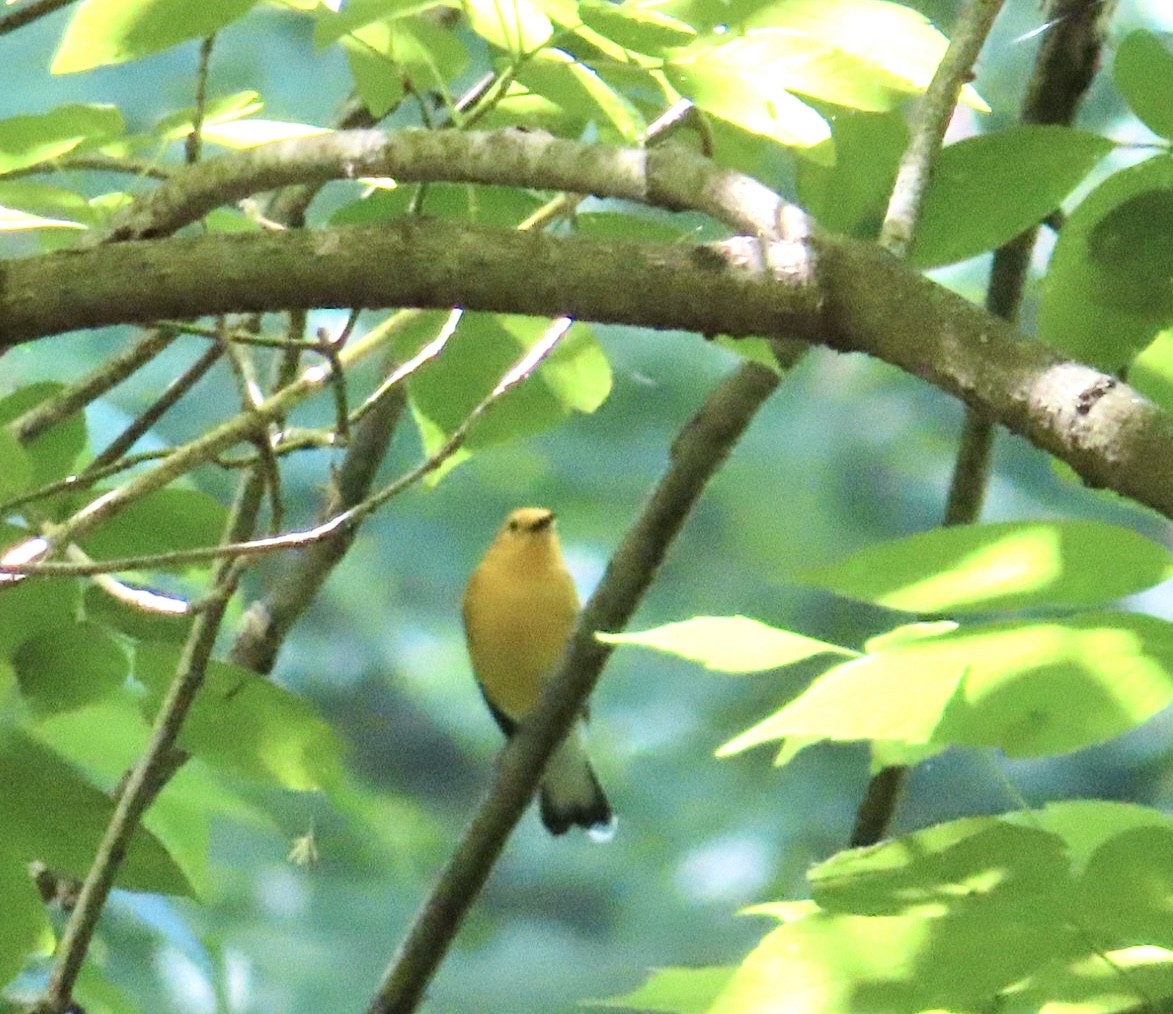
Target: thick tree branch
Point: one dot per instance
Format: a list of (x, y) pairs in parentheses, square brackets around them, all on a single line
[(842, 293), (697, 453)]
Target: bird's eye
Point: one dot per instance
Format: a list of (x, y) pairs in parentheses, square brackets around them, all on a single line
[(515, 525)]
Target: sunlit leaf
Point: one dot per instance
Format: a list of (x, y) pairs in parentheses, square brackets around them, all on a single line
[(516, 26), (103, 32), (1030, 688), (1009, 565), (674, 990), (168, 520), (52, 454), (735, 644), (30, 140)]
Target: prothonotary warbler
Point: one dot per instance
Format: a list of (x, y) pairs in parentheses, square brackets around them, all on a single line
[(519, 610)]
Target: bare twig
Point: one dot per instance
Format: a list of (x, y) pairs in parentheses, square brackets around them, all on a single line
[(334, 527), (698, 451)]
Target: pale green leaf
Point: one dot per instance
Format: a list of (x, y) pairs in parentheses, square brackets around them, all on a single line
[(103, 32), (734, 644), (1030, 688), (241, 134), (1010, 565), (30, 140), (673, 990), (516, 26)]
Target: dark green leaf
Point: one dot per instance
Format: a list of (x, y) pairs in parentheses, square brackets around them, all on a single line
[(246, 724), (1143, 72), (53, 814), (986, 190), (69, 666)]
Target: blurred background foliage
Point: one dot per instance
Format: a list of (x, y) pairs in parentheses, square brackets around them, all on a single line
[(849, 452)]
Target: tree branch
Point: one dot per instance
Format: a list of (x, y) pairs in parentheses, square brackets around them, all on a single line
[(666, 176), (839, 292), (698, 451)]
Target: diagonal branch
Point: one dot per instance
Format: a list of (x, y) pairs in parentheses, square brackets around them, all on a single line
[(697, 453)]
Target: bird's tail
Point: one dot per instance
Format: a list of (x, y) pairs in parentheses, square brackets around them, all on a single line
[(571, 794)]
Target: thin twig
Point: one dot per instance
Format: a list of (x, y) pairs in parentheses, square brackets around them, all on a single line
[(698, 451), (193, 143), (158, 408), (47, 414), (932, 120), (343, 521)]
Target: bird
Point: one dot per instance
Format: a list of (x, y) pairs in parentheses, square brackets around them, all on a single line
[(519, 610)]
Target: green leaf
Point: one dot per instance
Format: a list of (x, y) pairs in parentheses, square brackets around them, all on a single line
[(882, 50), (674, 990), (986, 190), (1126, 888), (739, 82), (636, 27), (31, 140), (70, 665), (947, 867), (850, 194), (1151, 372), (104, 32), (35, 607), (1143, 72), (735, 644), (168, 520), (579, 91), (16, 470), (330, 26), (124, 618), (386, 57), (1009, 565), (23, 918), (484, 347), (1031, 688), (53, 814), (516, 26), (246, 724), (52, 455), (1106, 293), (106, 738), (223, 110)]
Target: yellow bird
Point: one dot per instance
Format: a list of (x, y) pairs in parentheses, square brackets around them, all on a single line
[(519, 610)]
